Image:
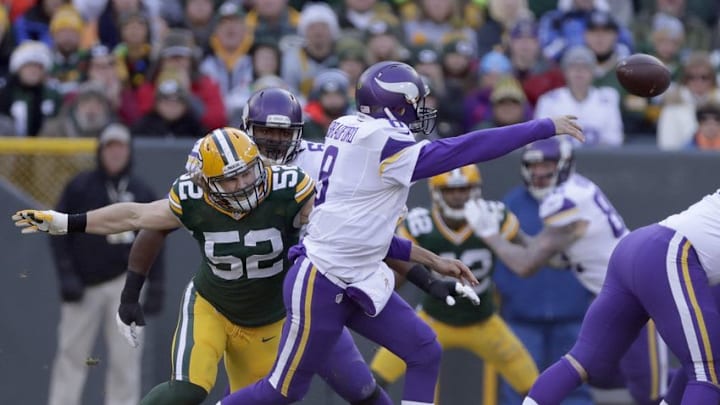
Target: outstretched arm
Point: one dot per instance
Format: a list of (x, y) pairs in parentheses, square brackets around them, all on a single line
[(443, 155), (115, 218)]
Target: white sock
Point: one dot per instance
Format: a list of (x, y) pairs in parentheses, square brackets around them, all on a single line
[(529, 401), (415, 403)]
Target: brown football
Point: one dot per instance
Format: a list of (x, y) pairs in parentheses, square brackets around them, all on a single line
[(643, 75)]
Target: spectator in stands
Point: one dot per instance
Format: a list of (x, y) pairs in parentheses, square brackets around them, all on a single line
[(601, 37), (102, 68), (273, 18), (178, 52), (266, 58), (328, 100), (34, 24), (198, 17), (382, 37), (477, 106), (509, 105), (172, 115), (91, 274), (134, 52), (503, 15), (698, 85), (597, 108), (546, 310), (563, 28), (352, 61), (27, 97), (356, 15), (7, 44), (427, 62), (105, 28), (435, 19), (66, 29), (85, 115), (697, 33), (707, 136), (536, 73), (319, 28), (640, 114), (229, 62), (667, 42)]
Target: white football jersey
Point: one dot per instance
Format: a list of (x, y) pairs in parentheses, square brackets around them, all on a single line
[(309, 158), (361, 192), (700, 224), (580, 199)]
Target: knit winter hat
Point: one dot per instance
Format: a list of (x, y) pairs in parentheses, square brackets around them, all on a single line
[(66, 17), (30, 52), (318, 13)]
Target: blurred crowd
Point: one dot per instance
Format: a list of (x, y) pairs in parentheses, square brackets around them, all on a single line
[(178, 68)]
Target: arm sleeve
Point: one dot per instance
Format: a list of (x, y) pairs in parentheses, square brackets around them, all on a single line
[(558, 210), (399, 249), (444, 155)]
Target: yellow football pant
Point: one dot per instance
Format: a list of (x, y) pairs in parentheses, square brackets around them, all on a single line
[(203, 336), (490, 340)]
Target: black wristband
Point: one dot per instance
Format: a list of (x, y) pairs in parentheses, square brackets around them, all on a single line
[(420, 276), (77, 222), (133, 284)]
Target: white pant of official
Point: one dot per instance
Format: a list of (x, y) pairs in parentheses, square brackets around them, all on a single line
[(77, 333)]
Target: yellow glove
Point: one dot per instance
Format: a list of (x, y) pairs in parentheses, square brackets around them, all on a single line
[(52, 222)]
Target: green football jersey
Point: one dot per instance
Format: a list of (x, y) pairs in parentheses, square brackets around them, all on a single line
[(427, 229), (244, 260)]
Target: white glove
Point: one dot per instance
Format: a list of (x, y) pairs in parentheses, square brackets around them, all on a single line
[(52, 222), (466, 291), (132, 333), (484, 217)]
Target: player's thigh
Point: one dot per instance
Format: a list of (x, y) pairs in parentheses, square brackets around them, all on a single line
[(251, 352), (494, 342), (683, 307), (199, 341), (315, 320)]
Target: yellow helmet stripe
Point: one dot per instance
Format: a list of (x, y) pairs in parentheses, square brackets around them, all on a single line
[(225, 147)]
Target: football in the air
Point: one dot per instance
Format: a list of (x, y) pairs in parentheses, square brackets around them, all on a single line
[(643, 75)]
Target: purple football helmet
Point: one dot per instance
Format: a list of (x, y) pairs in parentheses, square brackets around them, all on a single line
[(555, 150), (396, 91), (273, 118)]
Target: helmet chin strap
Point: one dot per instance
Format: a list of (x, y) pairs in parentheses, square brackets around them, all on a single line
[(539, 193)]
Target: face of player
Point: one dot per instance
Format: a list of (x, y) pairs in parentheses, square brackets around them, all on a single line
[(456, 197), (273, 143), (238, 182), (542, 174)]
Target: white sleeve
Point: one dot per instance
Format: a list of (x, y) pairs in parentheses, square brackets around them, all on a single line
[(397, 167), (558, 210)]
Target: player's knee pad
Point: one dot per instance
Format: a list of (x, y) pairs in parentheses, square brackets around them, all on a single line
[(175, 393)]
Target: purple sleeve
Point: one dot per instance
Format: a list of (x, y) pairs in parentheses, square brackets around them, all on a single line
[(399, 249), (443, 155)]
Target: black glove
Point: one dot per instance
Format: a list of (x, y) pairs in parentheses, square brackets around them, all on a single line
[(130, 310), (72, 288), (423, 279), (154, 299)]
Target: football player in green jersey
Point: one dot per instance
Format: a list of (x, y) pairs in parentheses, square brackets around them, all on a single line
[(444, 230), (245, 215)]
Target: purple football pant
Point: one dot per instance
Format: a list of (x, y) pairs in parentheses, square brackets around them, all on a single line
[(655, 273), (317, 312)]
